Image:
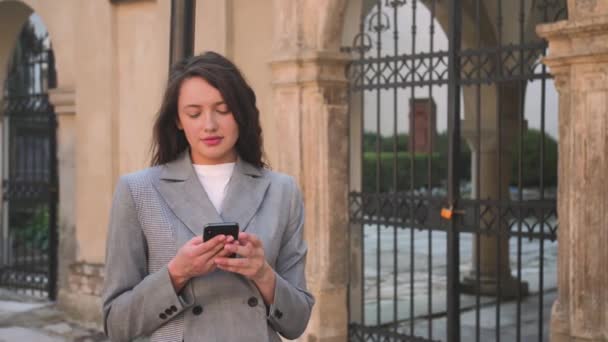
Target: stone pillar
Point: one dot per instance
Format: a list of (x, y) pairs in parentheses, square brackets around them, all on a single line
[(494, 261), (63, 101), (310, 108), (92, 178), (578, 58), (309, 98), (78, 283), (4, 242)]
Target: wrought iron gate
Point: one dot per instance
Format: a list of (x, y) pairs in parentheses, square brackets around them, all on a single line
[(453, 217), (29, 168)]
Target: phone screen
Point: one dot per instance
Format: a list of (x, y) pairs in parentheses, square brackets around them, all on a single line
[(226, 228)]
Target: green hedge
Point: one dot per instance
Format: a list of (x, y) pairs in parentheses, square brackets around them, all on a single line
[(31, 228), (387, 160), (439, 163), (531, 160)]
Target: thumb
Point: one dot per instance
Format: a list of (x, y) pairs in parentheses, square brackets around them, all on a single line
[(197, 240)]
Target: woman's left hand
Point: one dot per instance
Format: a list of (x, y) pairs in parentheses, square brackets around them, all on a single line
[(252, 263)]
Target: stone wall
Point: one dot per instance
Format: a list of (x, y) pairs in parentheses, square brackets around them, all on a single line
[(86, 278)]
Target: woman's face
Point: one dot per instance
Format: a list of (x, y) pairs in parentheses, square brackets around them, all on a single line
[(207, 122)]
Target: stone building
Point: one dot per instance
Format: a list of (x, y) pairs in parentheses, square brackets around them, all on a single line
[(111, 60)]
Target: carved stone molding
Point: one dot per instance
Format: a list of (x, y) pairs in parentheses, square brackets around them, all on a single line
[(64, 100), (576, 42), (129, 1), (307, 68)]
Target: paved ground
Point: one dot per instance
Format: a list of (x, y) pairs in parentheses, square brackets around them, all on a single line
[(25, 319), (421, 287)]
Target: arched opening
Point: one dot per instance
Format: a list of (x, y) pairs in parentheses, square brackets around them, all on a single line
[(403, 276), (28, 239)]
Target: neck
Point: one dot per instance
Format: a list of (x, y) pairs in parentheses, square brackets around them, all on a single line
[(231, 158)]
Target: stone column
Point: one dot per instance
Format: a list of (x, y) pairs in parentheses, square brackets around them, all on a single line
[(92, 179), (310, 109), (5, 244), (494, 261), (78, 291), (309, 100), (63, 101), (578, 58)]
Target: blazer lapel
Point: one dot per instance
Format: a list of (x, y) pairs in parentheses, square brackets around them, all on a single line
[(184, 194), (245, 193)]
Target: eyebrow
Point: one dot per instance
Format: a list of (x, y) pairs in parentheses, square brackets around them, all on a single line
[(192, 106), (199, 106)]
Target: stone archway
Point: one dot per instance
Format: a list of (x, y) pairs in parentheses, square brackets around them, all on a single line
[(510, 93), (29, 170), (58, 22)]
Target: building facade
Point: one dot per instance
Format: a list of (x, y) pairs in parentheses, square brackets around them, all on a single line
[(111, 61)]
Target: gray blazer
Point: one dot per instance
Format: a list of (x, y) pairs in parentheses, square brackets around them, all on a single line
[(155, 211)]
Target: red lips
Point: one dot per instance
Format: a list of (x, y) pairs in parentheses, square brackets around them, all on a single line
[(212, 141)]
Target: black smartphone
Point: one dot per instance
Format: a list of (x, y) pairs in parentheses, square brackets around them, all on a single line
[(226, 228)]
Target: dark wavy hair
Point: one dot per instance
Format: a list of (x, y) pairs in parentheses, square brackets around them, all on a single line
[(169, 141)]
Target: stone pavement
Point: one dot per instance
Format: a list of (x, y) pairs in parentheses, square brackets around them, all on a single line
[(24, 319)]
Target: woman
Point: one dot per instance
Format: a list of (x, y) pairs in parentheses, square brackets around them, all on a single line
[(161, 278)]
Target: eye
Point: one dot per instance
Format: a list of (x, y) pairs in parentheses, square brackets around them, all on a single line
[(222, 109), (193, 115)]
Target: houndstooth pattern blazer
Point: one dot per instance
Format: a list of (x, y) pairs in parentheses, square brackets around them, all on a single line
[(155, 211)]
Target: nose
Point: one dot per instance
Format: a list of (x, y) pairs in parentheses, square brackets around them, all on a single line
[(209, 122)]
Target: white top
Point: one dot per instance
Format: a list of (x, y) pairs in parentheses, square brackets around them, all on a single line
[(214, 179)]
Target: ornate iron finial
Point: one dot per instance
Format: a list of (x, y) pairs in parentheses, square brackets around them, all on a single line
[(379, 22), (362, 43), (395, 3)]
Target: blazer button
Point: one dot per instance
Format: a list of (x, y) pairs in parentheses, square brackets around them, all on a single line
[(197, 310), (278, 314), (162, 316), (173, 308), (253, 302), (168, 312)]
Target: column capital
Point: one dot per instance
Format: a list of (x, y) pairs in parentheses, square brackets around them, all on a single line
[(561, 78), (488, 134), (579, 41), (309, 67)]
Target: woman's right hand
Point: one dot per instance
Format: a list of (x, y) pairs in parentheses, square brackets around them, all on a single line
[(195, 258)]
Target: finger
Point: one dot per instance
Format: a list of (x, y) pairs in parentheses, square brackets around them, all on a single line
[(223, 253), (233, 269), (202, 253), (210, 267), (217, 239), (232, 262), (243, 238), (247, 237), (210, 253), (210, 244), (197, 240), (245, 251)]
